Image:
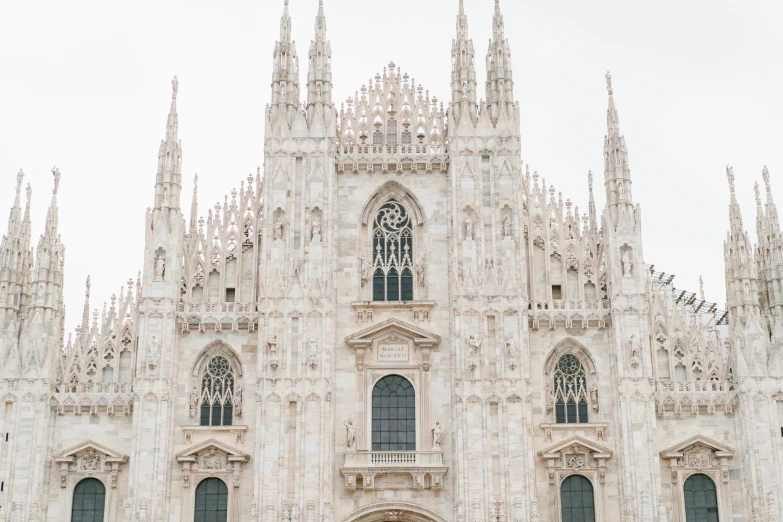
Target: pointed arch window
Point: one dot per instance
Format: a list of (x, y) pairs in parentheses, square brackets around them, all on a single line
[(211, 501), (571, 403), (392, 254), (406, 137), (701, 499), (393, 415), (577, 501), (89, 500), (217, 393), (377, 138), (391, 132)]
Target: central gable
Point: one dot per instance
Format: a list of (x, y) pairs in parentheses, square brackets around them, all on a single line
[(393, 342)]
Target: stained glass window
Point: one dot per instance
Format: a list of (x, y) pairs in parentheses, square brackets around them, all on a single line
[(217, 393), (393, 415), (576, 500), (701, 499), (570, 391), (211, 501), (89, 499), (393, 254)]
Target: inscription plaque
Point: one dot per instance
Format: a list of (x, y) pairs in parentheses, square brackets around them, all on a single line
[(393, 352)]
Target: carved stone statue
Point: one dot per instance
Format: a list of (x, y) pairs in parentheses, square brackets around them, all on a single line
[(594, 396), (511, 348), (272, 345), (507, 226), (195, 399), (474, 343), (350, 435), (238, 400), (627, 264), (213, 460), (278, 230), (420, 271), (469, 228), (701, 287), (153, 350), (550, 398), (364, 270), (746, 292), (437, 436), (635, 349), (662, 516), (160, 268), (91, 461), (316, 230), (621, 189)]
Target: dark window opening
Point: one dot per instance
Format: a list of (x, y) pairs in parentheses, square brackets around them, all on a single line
[(89, 499), (557, 292), (211, 501), (231, 295), (577, 500), (393, 415), (701, 499)]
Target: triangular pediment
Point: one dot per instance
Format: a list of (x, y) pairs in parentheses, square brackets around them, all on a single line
[(578, 445), (212, 446), (420, 337), (90, 446), (699, 440)]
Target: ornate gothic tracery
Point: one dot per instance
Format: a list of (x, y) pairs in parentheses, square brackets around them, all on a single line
[(392, 254), (570, 391), (217, 393)]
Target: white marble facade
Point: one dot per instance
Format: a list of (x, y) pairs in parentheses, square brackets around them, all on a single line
[(507, 302)]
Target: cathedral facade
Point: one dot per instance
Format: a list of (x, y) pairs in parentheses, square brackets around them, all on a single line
[(394, 320)]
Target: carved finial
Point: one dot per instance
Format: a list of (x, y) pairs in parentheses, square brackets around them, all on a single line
[(461, 7), (701, 287), (730, 176), (174, 87), (609, 83), (765, 175), (56, 174), (590, 180), (29, 194), (757, 190), (19, 178)]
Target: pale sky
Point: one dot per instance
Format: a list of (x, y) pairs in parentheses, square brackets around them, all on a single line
[(86, 86)]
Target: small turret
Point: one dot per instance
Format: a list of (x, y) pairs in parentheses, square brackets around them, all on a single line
[(319, 77), (617, 173), (285, 76), (500, 82), (168, 183), (463, 71)]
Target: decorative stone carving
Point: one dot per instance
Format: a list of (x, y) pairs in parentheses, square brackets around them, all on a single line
[(160, 267), (195, 401), (627, 264), (238, 400), (153, 351), (316, 230), (350, 435), (278, 230), (91, 461), (420, 270), (474, 344), (635, 351), (468, 228), (662, 515), (550, 398), (437, 436), (594, 396), (507, 227), (364, 270)]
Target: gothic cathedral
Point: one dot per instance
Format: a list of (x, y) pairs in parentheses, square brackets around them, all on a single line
[(394, 320)]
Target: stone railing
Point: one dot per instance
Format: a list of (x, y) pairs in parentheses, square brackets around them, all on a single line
[(694, 397), (93, 387), (425, 467), (570, 313)]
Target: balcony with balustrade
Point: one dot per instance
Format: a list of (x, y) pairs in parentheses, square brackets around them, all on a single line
[(426, 468)]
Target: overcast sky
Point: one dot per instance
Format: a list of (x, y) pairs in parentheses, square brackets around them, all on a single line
[(85, 86)]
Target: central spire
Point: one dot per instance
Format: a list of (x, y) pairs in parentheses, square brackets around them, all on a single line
[(285, 77)]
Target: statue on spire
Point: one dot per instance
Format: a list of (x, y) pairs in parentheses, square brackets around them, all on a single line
[(609, 83), (730, 176), (56, 174), (765, 175), (174, 87)]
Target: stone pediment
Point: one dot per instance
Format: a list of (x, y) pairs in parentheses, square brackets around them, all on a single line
[(678, 450), (212, 448), (576, 445), (420, 337), (89, 449)]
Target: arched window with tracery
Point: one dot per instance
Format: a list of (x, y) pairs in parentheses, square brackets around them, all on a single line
[(89, 499), (577, 501), (571, 404), (211, 501), (377, 138), (391, 132), (217, 393), (393, 415), (701, 499), (392, 254)]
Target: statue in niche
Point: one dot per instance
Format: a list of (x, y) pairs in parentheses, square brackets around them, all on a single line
[(272, 345), (469, 228), (635, 350), (747, 292), (350, 435), (550, 398), (238, 400), (318, 92), (621, 189), (316, 230), (627, 264), (364, 269), (159, 268), (420, 271), (41, 294), (474, 343), (195, 398), (437, 435), (153, 349), (594, 396), (313, 348), (2, 294), (507, 226), (278, 230), (511, 348)]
